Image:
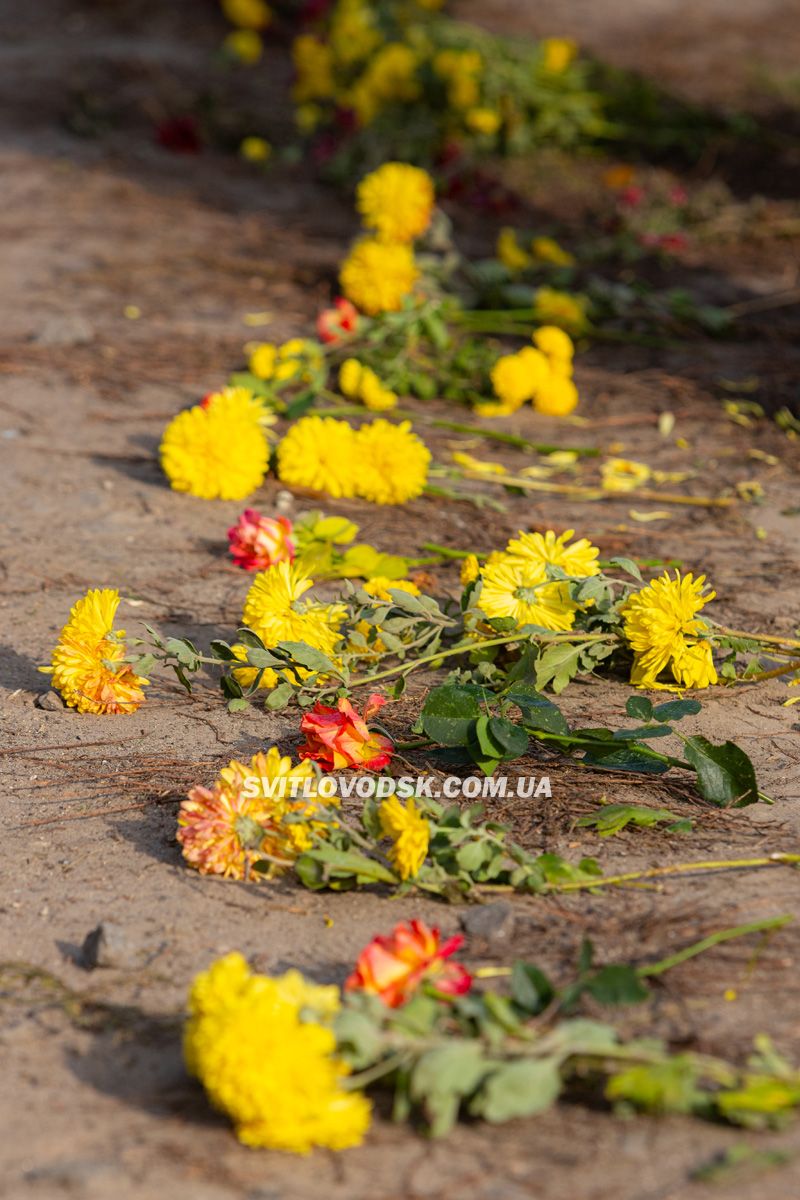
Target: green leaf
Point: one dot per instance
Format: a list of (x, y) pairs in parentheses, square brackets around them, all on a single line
[(441, 1077), (358, 1037), (511, 739), (613, 818), (279, 697), (725, 775), (238, 704), (639, 707), (642, 733), (628, 566), (308, 656), (557, 666), (617, 984), (676, 710), (518, 1089), (449, 715), (613, 757), (530, 987), (661, 1087), (222, 651), (537, 710)]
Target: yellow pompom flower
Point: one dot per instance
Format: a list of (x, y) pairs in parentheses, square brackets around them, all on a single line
[(86, 644), (552, 307), (578, 558), (518, 377), (245, 45), (275, 610), (247, 14), (662, 627), (546, 249), (379, 587), (350, 373), (255, 149), (390, 76), (264, 1051), (623, 475), (313, 64), (483, 120), (410, 834), (377, 276), (558, 53), (519, 588), (262, 359), (557, 396), (554, 343), (392, 462), (470, 569), (319, 453), (510, 252), (298, 359), (374, 395), (218, 449), (396, 201)]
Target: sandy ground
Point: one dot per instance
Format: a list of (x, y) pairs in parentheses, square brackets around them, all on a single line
[(95, 1102)]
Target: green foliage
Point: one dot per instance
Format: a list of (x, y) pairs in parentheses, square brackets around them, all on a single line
[(611, 819)]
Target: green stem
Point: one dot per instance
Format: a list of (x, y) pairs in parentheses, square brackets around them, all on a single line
[(733, 864), (713, 939)]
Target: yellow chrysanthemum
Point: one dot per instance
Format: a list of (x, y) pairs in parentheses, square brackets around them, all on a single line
[(275, 610), (270, 1069), (350, 373), (578, 559), (483, 120), (557, 396), (558, 53), (518, 588), (518, 377), (86, 644), (554, 343), (510, 252), (313, 64), (390, 76), (392, 462), (360, 382), (552, 307), (470, 569), (319, 453), (245, 45), (247, 14), (379, 587), (547, 249), (396, 201), (378, 276), (662, 627), (218, 449), (410, 834), (255, 149), (299, 359), (623, 475)]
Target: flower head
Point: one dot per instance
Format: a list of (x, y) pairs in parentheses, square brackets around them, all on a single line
[(275, 610), (557, 396), (554, 343), (623, 475), (560, 308), (379, 587), (470, 570), (255, 149), (396, 201), (518, 377), (410, 834), (86, 665), (394, 967), (360, 382), (334, 323), (377, 276), (483, 120), (510, 252), (319, 453), (247, 14), (578, 559), (392, 462), (558, 53), (229, 827), (519, 588), (218, 449), (340, 737), (245, 45), (258, 542), (663, 629), (266, 1055)]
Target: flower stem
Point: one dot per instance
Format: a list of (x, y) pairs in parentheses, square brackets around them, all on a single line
[(733, 864), (713, 939)]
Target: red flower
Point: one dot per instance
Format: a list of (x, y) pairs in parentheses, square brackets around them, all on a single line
[(393, 967), (333, 323), (339, 737), (181, 135), (258, 542), (631, 197)]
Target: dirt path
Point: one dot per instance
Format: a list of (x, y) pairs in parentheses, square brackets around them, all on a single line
[(96, 1102)]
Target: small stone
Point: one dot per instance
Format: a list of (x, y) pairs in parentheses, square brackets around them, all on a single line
[(50, 702), (65, 331), (493, 922), (112, 945)]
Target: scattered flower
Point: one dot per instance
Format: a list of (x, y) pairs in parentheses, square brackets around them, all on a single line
[(247, 14), (410, 834), (340, 737), (391, 462), (519, 588), (244, 45), (662, 627), (396, 201), (578, 558), (623, 475), (554, 343), (275, 610), (483, 120), (470, 570), (258, 542), (393, 967), (255, 149), (319, 453), (510, 252), (334, 323), (547, 250), (556, 397), (558, 53), (218, 449), (377, 276), (560, 308)]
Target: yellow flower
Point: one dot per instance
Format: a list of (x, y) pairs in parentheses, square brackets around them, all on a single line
[(554, 343), (392, 462), (353, 33), (313, 64), (396, 201), (374, 395), (560, 308), (307, 117), (390, 76), (579, 558), (247, 14), (377, 276), (244, 45), (470, 569), (298, 359), (255, 149), (518, 588), (350, 374), (274, 609), (218, 449), (517, 377), (379, 587), (461, 69), (623, 475), (663, 629), (509, 251), (557, 396), (320, 453), (481, 466), (85, 645), (269, 1066), (548, 250), (483, 120), (225, 829), (410, 833), (262, 360), (558, 53)]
